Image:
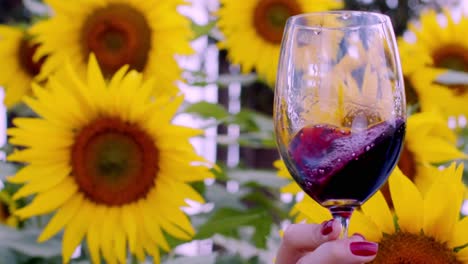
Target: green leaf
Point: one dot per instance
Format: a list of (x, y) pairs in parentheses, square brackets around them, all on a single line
[(199, 186), (267, 178), (262, 229), (7, 256), (250, 120), (7, 169), (24, 242), (220, 174), (202, 30), (207, 110), (257, 140), (218, 195), (250, 140), (242, 79), (226, 221), (453, 78)]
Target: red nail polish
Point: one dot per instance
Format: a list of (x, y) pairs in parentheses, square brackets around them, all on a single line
[(327, 227), (363, 248)]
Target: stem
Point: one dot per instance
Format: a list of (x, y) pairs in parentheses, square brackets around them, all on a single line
[(342, 214)]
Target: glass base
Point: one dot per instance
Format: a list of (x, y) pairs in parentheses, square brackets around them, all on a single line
[(342, 209)]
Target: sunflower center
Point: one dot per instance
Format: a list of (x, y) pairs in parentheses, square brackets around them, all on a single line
[(26, 52), (118, 35), (454, 57), (270, 17), (4, 213), (407, 163), (410, 92), (114, 162), (402, 248)]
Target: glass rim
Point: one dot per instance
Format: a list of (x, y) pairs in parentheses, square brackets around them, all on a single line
[(382, 19)]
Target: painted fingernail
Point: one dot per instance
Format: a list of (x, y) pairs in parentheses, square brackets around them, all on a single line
[(359, 235), (327, 227), (363, 248)]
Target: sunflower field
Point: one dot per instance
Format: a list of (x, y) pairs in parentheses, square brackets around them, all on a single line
[(140, 131)]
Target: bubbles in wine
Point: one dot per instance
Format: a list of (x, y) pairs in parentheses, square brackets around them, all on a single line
[(345, 16), (322, 154)]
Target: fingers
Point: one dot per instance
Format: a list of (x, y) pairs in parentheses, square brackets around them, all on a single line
[(300, 239), (354, 250)]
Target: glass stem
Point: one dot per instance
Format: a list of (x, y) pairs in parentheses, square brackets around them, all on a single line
[(342, 214)]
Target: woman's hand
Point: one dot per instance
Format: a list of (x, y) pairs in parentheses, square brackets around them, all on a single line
[(319, 244)]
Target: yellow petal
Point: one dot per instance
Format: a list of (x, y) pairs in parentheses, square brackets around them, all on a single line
[(139, 250), (459, 234), (425, 176), (439, 150), (68, 104), (172, 229), (130, 225), (376, 208), (152, 250), (180, 191), (28, 173), (129, 87), (181, 131), (62, 217), (117, 78), (40, 157), (76, 230), (48, 111), (184, 172), (171, 107), (177, 217), (441, 216), (80, 90), (407, 201), (48, 201), (120, 244), (151, 226), (462, 255), (363, 224), (292, 187), (93, 236), (314, 212), (44, 182), (107, 238), (96, 81)]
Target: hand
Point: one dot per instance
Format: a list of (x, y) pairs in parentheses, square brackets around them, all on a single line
[(319, 244)]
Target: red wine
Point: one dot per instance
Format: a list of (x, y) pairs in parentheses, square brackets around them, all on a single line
[(334, 164)]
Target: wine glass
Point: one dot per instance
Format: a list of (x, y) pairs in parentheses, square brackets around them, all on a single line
[(339, 110)]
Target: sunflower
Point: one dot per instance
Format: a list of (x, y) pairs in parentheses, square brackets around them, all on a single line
[(428, 142), (18, 68), (253, 30), (283, 172), (431, 58), (422, 229), (116, 172), (146, 35), (7, 209), (451, 100)]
